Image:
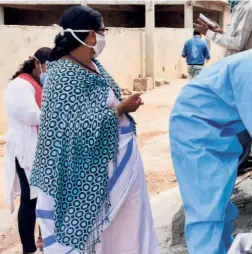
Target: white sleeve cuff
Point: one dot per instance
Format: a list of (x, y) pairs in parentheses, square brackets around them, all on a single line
[(210, 34)]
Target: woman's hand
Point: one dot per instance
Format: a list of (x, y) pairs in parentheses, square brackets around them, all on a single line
[(130, 104), (203, 27), (217, 29)]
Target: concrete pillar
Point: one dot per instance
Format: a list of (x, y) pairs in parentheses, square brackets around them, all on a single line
[(149, 39), (221, 19), (1, 16), (226, 16), (188, 15)]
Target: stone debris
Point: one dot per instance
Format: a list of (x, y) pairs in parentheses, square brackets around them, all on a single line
[(183, 76), (242, 198), (161, 82), (143, 84)]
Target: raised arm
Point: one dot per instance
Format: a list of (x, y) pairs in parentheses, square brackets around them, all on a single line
[(241, 34)]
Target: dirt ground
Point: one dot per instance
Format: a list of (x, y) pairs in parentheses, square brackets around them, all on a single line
[(152, 133)]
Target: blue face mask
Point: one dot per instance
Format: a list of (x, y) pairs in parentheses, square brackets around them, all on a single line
[(43, 77)]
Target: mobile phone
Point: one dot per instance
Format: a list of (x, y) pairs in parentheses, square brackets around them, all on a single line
[(207, 20)]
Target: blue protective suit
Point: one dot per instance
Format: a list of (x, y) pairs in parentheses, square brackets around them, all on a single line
[(208, 114)]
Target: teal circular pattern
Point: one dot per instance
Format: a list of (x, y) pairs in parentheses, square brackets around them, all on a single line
[(77, 139)]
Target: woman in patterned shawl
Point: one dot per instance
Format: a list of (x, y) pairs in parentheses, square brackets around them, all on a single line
[(92, 195)]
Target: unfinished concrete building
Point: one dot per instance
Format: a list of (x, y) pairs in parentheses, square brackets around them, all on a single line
[(123, 13), (146, 14), (144, 42)]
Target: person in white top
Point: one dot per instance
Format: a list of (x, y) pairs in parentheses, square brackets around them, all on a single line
[(22, 102), (238, 35)]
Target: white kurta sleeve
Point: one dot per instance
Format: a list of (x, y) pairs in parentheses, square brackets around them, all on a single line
[(20, 100), (238, 38)]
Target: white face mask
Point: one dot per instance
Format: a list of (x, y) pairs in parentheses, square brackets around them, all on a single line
[(100, 45), (100, 40)]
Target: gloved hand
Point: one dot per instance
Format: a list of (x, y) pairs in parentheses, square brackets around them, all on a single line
[(242, 244)]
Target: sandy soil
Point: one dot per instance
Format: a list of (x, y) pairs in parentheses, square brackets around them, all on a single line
[(152, 130)]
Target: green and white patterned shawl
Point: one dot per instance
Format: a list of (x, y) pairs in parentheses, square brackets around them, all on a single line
[(78, 137)]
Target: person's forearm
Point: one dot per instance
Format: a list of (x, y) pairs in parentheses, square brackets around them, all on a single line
[(119, 109), (227, 41)]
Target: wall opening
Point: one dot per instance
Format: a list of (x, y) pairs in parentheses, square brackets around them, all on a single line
[(33, 15), (171, 16), (128, 16)]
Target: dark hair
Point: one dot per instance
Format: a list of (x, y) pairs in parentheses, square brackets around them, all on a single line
[(75, 18), (42, 55), (196, 32)]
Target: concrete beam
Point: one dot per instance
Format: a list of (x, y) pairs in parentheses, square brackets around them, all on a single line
[(1, 16), (168, 2), (31, 7), (170, 8), (210, 6), (113, 2), (103, 7), (104, 2), (129, 8), (188, 15), (149, 39), (74, 2)]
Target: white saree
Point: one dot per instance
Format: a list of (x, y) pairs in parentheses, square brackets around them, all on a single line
[(130, 229)]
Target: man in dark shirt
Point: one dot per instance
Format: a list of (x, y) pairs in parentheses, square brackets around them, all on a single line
[(195, 51)]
